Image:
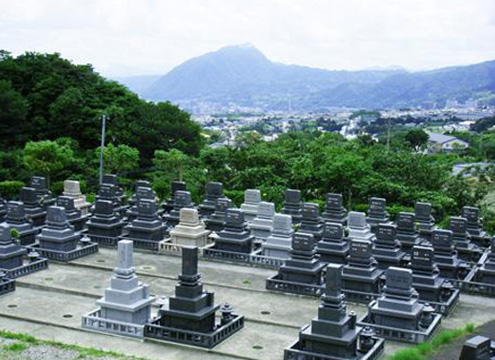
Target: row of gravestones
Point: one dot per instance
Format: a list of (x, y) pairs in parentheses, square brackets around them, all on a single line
[(189, 317)]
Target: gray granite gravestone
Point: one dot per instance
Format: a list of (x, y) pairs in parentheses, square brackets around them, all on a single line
[(406, 231), (59, 241), (182, 199), (278, 244), (334, 209), (377, 213), (387, 250), (398, 314), (466, 250), (12, 256), (216, 221), (112, 180), (302, 273), (359, 229), (44, 194), (333, 246), (35, 210), (361, 276), (126, 306), (74, 215), (311, 221), (252, 198), (475, 226), (190, 231), (72, 189), (190, 316), (235, 237), (143, 191), (425, 219), (262, 225), (478, 348), (431, 287), (333, 334), (16, 218), (147, 230), (3, 208), (105, 226), (175, 186), (213, 191), (109, 192), (445, 256), (293, 205)]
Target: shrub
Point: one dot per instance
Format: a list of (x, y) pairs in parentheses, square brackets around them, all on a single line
[(10, 189)]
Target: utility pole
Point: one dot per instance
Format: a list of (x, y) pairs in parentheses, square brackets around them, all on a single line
[(102, 147)]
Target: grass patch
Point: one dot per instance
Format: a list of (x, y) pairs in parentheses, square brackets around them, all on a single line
[(17, 347), (421, 351), (247, 282), (83, 351)]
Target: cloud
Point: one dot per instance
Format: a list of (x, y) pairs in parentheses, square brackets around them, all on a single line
[(122, 37)]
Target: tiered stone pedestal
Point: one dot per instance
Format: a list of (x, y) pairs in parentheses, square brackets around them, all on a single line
[(377, 213), (104, 226), (293, 205), (16, 219), (190, 316), (147, 231), (475, 226), (333, 246), (387, 250), (466, 251), (262, 225), (35, 211), (311, 221), (182, 200), (72, 189), (302, 273), (216, 221), (398, 315), (175, 186), (74, 216), (126, 306), (425, 220), (278, 244), (213, 191), (333, 334), (451, 267)]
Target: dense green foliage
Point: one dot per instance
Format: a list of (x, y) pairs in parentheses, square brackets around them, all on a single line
[(44, 97)]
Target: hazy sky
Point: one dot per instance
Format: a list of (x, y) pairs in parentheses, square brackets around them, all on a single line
[(121, 37)]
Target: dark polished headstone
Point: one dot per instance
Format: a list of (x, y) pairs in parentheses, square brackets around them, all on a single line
[(333, 246), (293, 205), (143, 191), (406, 231), (44, 194), (475, 226), (387, 250), (109, 192), (213, 191), (311, 221), (16, 218), (334, 209), (478, 348), (431, 287), (235, 237), (425, 219), (11, 253), (175, 186), (192, 310), (182, 200), (333, 334), (377, 213), (112, 180), (33, 206), (216, 221), (486, 272), (73, 214), (445, 255), (361, 276), (3, 208), (466, 250), (140, 183), (399, 309), (105, 226), (148, 228)]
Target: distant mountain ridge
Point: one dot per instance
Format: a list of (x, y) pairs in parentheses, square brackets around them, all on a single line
[(243, 75)]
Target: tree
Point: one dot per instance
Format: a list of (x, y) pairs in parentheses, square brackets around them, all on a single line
[(119, 158), (13, 111), (47, 157), (170, 162), (417, 138)]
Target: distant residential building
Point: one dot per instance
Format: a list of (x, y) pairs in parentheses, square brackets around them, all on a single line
[(442, 142)]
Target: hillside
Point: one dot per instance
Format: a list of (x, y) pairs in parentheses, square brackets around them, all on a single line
[(243, 75)]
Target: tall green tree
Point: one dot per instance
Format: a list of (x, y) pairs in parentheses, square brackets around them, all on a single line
[(119, 158)]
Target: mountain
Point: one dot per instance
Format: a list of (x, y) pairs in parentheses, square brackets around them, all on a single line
[(138, 84), (243, 75)]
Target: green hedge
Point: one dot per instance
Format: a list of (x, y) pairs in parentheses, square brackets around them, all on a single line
[(10, 189)]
